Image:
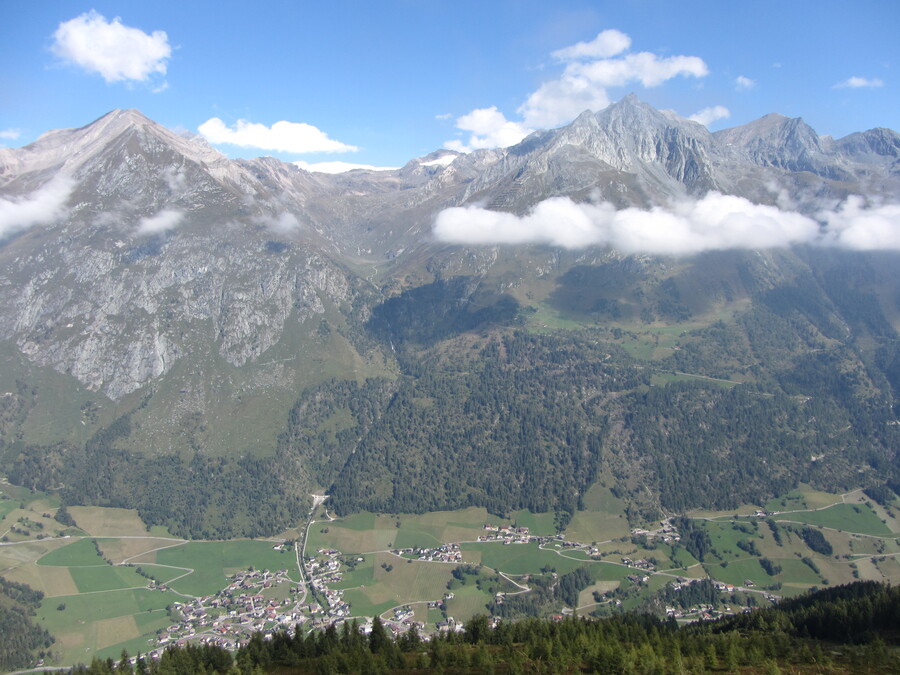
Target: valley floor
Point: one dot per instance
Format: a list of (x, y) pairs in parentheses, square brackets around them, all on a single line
[(110, 584)]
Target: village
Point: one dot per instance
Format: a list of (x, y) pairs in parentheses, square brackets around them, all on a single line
[(253, 601), (265, 602)]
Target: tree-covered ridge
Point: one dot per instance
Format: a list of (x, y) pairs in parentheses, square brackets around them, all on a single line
[(21, 640), (530, 421), (848, 629), (509, 425)]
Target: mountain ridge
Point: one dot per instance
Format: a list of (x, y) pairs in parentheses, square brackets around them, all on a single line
[(215, 309)]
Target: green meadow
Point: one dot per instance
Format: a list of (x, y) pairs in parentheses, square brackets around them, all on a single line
[(80, 553), (858, 518), (209, 563)]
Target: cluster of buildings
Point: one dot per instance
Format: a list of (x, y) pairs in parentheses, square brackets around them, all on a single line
[(666, 531), (641, 564), (324, 572), (507, 534), (446, 553), (250, 604), (246, 605)]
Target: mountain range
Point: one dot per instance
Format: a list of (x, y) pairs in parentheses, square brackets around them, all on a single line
[(208, 340)]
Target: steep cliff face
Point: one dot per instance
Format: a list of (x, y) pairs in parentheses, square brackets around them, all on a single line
[(118, 315)]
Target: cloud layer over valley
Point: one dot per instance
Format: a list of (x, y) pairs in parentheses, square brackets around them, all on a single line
[(713, 222)]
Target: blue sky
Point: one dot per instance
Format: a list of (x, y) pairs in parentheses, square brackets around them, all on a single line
[(379, 83)]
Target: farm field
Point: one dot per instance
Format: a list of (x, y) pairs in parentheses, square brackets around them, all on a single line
[(368, 532), (858, 518), (101, 624), (207, 564), (110, 522), (99, 597)]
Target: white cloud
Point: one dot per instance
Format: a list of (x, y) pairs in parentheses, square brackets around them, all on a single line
[(607, 43), (709, 115), (562, 100), (648, 69), (859, 82), (296, 137), (714, 222), (583, 85), (592, 68), (742, 83), (283, 223), (115, 51), (488, 128), (44, 205), (175, 178), (340, 167), (163, 221), (10, 134), (862, 228)]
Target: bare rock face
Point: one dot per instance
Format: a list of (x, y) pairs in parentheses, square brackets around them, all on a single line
[(167, 252), (123, 318)]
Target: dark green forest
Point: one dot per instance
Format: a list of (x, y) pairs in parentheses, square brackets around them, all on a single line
[(21, 640)]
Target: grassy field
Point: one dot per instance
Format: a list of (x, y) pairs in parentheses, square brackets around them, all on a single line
[(124, 550), (51, 581), (6, 506), (362, 603), (738, 571), (413, 580), (107, 522), (81, 553), (106, 578), (387, 581), (540, 524), (467, 602), (362, 575), (359, 533), (212, 561), (547, 319), (857, 518), (793, 500), (367, 532), (89, 623), (529, 559)]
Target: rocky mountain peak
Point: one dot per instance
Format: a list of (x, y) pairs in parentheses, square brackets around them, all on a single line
[(105, 141), (178, 271), (785, 143), (872, 144), (773, 130)]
